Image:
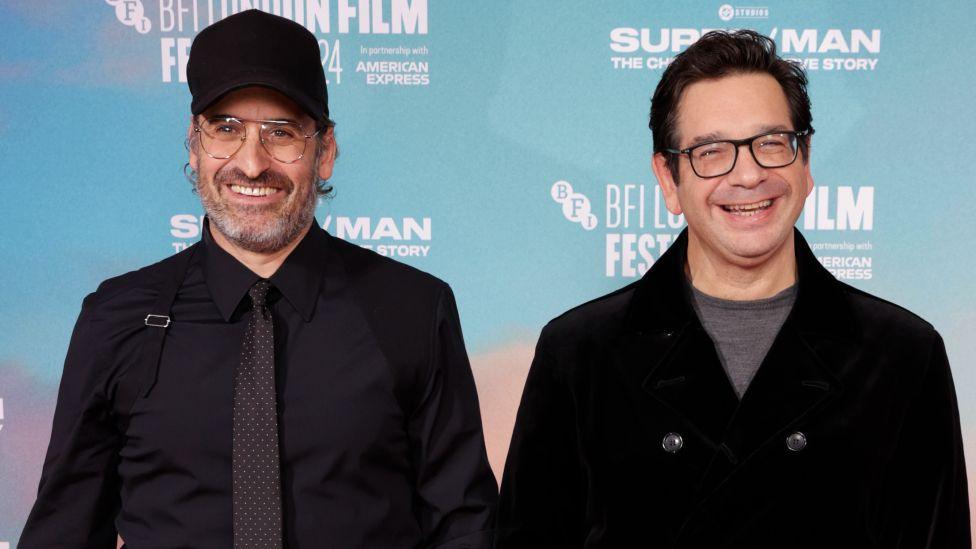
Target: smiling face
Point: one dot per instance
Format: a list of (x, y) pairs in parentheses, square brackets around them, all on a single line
[(253, 200), (744, 218)]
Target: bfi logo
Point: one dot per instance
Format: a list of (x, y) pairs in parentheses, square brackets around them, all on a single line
[(130, 13), (576, 206)]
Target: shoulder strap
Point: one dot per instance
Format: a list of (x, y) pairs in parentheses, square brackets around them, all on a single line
[(157, 320), (143, 377)]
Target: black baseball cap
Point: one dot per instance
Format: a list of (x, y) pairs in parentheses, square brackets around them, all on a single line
[(254, 48)]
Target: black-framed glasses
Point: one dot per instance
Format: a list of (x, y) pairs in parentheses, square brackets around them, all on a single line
[(222, 136), (717, 158)]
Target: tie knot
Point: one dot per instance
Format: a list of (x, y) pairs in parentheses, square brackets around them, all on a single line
[(259, 293)]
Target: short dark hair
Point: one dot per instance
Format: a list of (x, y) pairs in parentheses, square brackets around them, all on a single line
[(718, 54)]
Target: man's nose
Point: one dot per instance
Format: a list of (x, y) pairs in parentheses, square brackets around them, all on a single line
[(252, 158), (746, 172)]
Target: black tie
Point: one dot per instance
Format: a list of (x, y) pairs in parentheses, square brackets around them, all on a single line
[(255, 468)]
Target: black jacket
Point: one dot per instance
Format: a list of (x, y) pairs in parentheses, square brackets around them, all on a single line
[(380, 431), (859, 387)]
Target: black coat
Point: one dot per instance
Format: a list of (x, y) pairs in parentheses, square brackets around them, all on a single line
[(861, 385)]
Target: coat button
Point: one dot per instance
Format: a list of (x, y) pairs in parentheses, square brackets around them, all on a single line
[(672, 442), (796, 442)]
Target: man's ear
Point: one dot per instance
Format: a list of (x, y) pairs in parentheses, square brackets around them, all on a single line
[(806, 166), (327, 159), (669, 187), (190, 137)]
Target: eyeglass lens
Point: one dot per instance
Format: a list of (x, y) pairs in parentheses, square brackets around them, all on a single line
[(223, 137), (773, 150)]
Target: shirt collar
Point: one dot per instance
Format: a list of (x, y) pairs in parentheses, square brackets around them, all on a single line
[(299, 278)]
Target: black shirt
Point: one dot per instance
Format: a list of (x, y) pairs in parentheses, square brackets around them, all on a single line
[(379, 425)]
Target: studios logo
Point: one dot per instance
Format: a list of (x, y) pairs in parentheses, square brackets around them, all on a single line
[(728, 12)]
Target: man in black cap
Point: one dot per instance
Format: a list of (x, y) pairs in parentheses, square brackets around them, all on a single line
[(270, 386)]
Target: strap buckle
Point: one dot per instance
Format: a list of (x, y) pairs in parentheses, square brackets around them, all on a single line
[(157, 321)]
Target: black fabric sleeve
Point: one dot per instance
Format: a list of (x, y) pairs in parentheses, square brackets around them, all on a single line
[(456, 489), (78, 497), (927, 504), (542, 495)]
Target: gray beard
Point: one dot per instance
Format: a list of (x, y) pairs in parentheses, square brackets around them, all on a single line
[(235, 226)]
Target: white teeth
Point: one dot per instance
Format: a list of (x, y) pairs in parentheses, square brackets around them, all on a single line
[(253, 191), (747, 209)]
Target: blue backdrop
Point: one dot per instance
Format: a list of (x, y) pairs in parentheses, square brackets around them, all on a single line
[(502, 146)]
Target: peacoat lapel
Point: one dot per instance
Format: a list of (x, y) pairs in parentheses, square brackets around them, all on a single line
[(794, 380), (666, 358)]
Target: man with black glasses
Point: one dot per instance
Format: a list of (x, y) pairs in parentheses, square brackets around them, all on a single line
[(737, 396), (271, 386)]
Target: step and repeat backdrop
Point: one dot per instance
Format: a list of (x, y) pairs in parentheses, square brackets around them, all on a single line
[(502, 146)]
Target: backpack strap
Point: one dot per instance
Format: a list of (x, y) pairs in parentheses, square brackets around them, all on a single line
[(143, 377), (157, 320)]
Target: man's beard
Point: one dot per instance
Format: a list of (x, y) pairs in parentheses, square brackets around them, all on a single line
[(244, 225)]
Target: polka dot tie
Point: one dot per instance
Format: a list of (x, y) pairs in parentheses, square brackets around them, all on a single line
[(256, 466)]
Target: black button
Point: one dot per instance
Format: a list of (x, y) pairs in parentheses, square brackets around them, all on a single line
[(672, 442), (796, 442)]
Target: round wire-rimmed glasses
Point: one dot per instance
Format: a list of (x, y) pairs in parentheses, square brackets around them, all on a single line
[(775, 149), (222, 136)]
